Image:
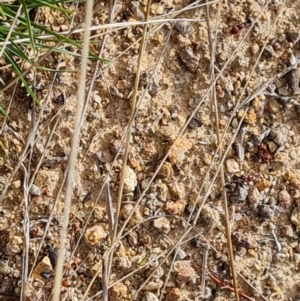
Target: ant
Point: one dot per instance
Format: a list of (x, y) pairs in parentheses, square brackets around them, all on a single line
[(239, 181), (237, 28)]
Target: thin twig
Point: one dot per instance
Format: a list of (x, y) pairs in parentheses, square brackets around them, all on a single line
[(26, 227), (128, 138), (110, 212), (222, 174), (73, 154), (278, 245), (105, 280), (204, 268), (226, 286)]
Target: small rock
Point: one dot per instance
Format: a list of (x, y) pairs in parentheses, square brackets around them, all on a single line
[(234, 123), (130, 180), (278, 137), (116, 146), (240, 151), (124, 263), (194, 123), (115, 93), (266, 212), (184, 27), (295, 218), (173, 294), (35, 190), (282, 158), (181, 254), (295, 180), (169, 131), (166, 171), (95, 235), (49, 180), (283, 91), (210, 216), (177, 154), (96, 268), (244, 240), (232, 166), (126, 210), (137, 10), (268, 52), (162, 224), (157, 9), (64, 27), (162, 191), (4, 269), (118, 291), (239, 194), (254, 48), (297, 261), (186, 275), (186, 272), (150, 297), (132, 238), (287, 231), (153, 285), (189, 58), (16, 184), (177, 190), (153, 88), (284, 198), (254, 196), (136, 216), (263, 185), (274, 106), (149, 151), (256, 102), (250, 117), (14, 245), (175, 208), (272, 146)]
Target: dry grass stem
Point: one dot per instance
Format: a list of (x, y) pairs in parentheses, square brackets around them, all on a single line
[(73, 154)]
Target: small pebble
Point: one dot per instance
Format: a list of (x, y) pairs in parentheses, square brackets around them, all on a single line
[(162, 224), (232, 166), (184, 27), (284, 198)]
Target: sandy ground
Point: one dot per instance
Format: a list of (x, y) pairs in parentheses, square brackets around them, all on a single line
[(217, 124)]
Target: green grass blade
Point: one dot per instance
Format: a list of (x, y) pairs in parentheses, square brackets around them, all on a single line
[(19, 73), (15, 50), (3, 112), (28, 23), (2, 14), (3, 148), (38, 3), (54, 70)]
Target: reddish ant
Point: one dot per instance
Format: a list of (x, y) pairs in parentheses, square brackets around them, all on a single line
[(239, 181), (237, 28)]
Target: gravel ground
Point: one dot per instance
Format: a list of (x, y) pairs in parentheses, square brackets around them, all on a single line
[(214, 145)]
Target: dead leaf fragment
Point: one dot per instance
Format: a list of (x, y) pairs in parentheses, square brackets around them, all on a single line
[(43, 266)]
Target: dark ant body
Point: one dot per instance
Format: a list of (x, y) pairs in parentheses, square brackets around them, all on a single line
[(237, 28), (239, 181), (52, 255)]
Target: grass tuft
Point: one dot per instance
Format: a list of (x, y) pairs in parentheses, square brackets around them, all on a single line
[(23, 40)]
